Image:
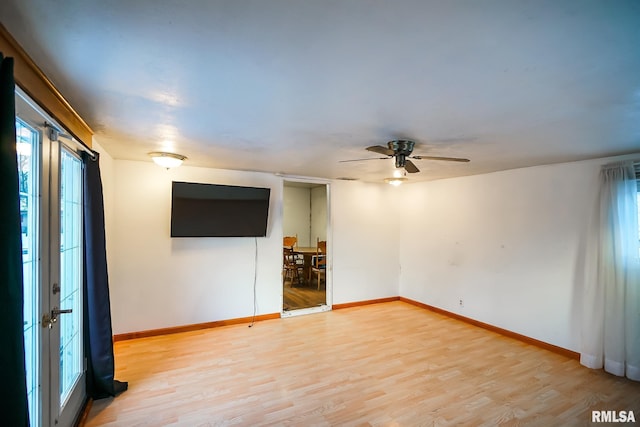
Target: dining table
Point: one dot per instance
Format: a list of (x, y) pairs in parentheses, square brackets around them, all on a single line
[(307, 255)]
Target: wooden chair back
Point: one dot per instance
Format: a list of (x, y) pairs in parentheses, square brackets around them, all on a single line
[(292, 270), (290, 241), (319, 260), (287, 253)]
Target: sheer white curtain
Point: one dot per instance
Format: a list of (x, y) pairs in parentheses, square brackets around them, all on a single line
[(611, 316)]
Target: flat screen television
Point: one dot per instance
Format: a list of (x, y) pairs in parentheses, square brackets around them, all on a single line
[(212, 210)]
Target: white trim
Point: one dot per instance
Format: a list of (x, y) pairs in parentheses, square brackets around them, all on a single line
[(303, 311), (307, 179)]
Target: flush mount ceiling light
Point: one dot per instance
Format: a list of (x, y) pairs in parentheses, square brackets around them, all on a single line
[(395, 181), (167, 160)]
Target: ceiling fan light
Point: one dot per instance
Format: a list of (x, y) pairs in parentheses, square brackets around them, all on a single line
[(396, 181), (167, 160), (399, 173)]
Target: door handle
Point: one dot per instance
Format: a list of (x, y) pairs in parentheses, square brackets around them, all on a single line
[(56, 311), (48, 320)]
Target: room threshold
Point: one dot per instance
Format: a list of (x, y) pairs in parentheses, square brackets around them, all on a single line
[(302, 311)]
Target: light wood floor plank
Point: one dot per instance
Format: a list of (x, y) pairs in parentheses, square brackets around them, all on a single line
[(390, 364)]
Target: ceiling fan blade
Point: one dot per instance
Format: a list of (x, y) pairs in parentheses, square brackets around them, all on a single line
[(368, 158), (410, 167), (448, 159), (381, 150)]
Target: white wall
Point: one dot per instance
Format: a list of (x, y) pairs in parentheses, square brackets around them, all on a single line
[(318, 214), (510, 244), (296, 214), (305, 213), (158, 282), (364, 241)]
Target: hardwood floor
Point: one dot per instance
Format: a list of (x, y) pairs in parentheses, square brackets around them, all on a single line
[(390, 364), (303, 297)]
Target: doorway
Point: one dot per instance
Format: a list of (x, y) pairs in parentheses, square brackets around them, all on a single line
[(50, 181), (306, 278)]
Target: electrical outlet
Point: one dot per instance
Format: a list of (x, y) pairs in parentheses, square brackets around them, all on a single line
[(461, 303)]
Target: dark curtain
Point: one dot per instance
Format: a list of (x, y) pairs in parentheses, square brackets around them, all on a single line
[(98, 336), (14, 407)]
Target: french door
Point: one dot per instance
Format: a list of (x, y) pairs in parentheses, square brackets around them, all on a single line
[(50, 179)]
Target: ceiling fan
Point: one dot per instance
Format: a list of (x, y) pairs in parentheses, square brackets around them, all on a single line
[(400, 150)]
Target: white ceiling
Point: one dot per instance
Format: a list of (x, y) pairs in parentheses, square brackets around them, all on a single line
[(296, 86)]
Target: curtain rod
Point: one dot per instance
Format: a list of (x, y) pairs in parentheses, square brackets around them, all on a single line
[(79, 144)]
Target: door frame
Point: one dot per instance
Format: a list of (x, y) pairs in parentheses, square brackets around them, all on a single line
[(329, 268)]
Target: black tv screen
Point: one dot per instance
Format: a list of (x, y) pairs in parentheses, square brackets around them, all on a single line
[(211, 210)]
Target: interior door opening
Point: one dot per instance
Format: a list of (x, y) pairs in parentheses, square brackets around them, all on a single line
[(306, 251)]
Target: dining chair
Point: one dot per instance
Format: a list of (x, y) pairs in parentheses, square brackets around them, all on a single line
[(290, 241), (319, 261), (292, 269)]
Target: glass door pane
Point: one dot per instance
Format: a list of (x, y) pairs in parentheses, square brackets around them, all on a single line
[(71, 355), (27, 139)]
